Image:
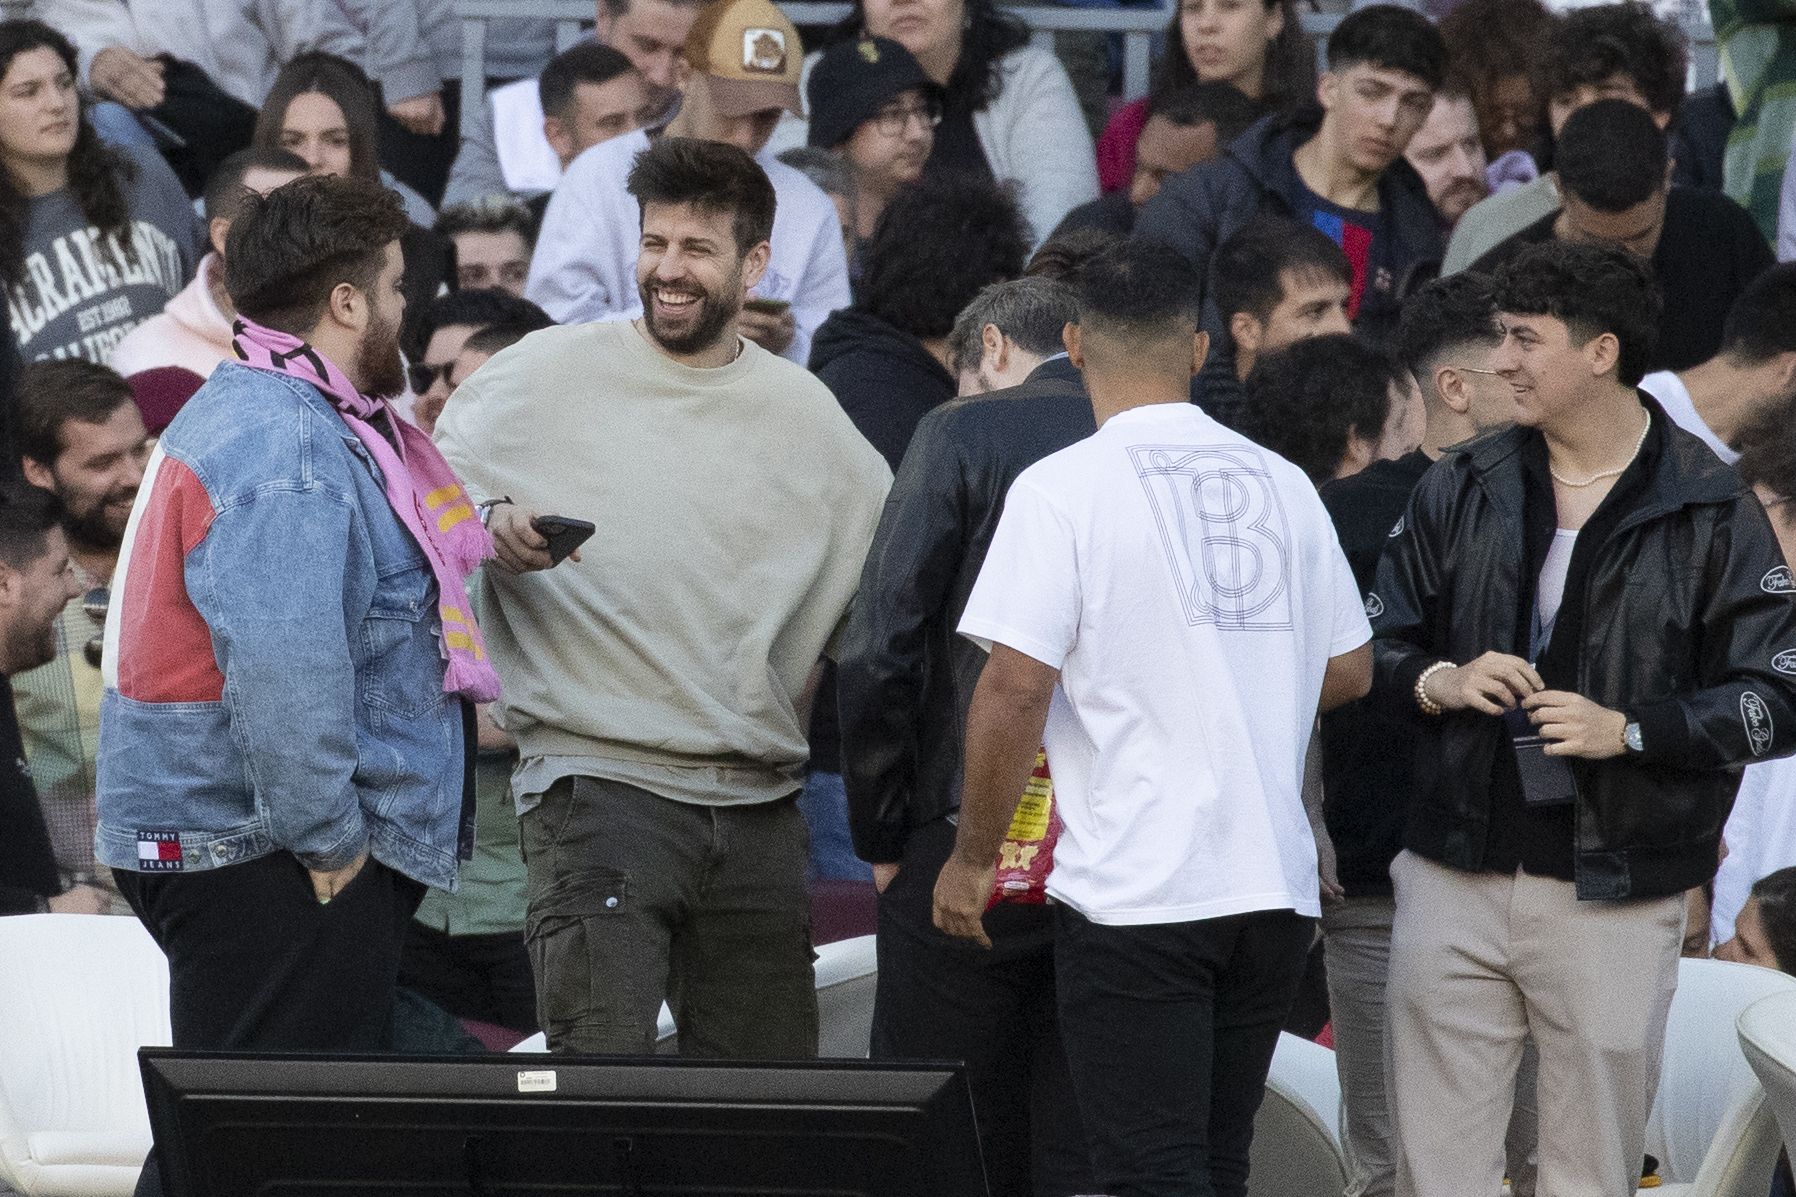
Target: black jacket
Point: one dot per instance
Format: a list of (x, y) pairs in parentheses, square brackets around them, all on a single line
[(1709, 251), (1683, 616), (905, 677), (886, 381), (1198, 209), (881, 375), (28, 874)]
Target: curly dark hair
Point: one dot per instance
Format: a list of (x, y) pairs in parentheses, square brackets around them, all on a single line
[(1289, 78), (1590, 45), (1306, 400), (97, 173), (289, 249), (1594, 289), (990, 34), (1489, 41), (936, 246)]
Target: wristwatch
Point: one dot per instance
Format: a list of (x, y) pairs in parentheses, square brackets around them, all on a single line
[(1630, 738)]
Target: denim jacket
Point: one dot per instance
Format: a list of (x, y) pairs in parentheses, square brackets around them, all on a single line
[(273, 676)]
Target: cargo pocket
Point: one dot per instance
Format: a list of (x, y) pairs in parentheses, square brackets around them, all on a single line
[(565, 932)]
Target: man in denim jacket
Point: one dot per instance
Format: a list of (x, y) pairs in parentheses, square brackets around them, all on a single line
[(283, 762)]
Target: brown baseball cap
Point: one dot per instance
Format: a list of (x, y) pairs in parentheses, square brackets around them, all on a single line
[(751, 55)]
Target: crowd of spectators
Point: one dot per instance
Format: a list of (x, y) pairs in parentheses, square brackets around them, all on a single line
[(1386, 244)]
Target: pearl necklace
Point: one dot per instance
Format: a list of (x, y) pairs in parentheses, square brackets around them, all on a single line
[(1594, 478)]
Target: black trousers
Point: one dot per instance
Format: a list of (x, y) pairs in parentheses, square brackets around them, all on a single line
[(255, 963), (486, 977), (1170, 1030), (941, 999), (213, 123), (422, 161)]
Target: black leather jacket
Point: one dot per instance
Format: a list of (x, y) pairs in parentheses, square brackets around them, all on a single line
[(904, 677), (1688, 623)]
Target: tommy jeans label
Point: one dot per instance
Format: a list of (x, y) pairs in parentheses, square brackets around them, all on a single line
[(159, 851), (1755, 716)]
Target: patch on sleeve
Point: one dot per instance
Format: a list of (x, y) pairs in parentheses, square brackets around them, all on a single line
[(159, 851), (1755, 716)]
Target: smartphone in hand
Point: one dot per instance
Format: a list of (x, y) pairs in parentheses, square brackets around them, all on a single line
[(563, 534)]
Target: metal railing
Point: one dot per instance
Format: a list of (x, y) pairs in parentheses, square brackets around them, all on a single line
[(1138, 27)]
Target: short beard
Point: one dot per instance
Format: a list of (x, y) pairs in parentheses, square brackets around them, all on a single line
[(93, 529), (24, 649), (714, 315), (377, 361)]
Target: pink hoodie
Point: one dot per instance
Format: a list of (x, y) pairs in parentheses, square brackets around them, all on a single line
[(191, 332)]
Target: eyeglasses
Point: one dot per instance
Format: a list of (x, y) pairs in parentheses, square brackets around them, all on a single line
[(95, 602), (424, 375), (892, 121), (509, 275)]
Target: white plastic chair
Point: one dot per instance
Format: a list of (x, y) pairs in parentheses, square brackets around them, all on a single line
[(847, 972), (1296, 1134), (79, 994), (1709, 1126), (1768, 1038)]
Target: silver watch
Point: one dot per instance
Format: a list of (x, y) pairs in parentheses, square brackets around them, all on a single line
[(1630, 735)]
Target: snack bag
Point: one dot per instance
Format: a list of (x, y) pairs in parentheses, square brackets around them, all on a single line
[(1026, 856)]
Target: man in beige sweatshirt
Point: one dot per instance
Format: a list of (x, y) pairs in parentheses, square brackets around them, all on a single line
[(657, 685)]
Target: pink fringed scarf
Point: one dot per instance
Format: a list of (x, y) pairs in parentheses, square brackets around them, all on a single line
[(425, 494)]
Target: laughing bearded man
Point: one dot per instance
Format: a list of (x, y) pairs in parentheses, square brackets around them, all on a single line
[(657, 687)]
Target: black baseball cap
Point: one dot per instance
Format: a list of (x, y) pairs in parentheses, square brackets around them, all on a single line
[(853, 80)]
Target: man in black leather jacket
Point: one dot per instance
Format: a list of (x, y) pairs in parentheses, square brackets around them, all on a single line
[(904, 680), (1585, 616)]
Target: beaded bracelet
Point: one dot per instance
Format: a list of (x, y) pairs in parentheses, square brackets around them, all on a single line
[(1428, 705)]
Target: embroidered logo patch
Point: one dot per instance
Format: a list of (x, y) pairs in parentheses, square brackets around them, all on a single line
[(1785, 662), (868, 49), (159, 851), (1755, 716), (764, 50), (1398, 530), (1778, 581), (1374, 606)]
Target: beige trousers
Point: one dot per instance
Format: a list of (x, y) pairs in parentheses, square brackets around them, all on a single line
[(1481, 960)]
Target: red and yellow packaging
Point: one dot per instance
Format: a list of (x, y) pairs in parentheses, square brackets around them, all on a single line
[(1026, 856)]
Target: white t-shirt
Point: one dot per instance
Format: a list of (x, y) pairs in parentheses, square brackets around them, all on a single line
[(528, 161), (1674, 397), (1761, 838), (584, 267), (1189, 587), (1549, 592)]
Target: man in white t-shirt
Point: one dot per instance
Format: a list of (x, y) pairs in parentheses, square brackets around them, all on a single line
[(745, 58), (1170, 601), (1755, 368)]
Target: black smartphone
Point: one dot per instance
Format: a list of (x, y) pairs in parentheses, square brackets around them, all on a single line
[(1546, 780), (564, 534)]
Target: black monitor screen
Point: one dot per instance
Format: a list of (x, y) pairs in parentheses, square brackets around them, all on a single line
[(515, 1125)]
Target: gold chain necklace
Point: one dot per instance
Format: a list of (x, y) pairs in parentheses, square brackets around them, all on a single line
[(1595, 478)]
